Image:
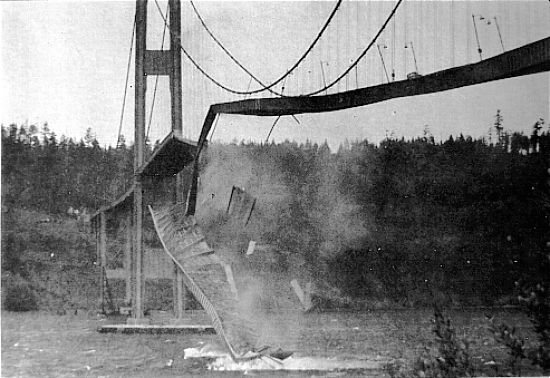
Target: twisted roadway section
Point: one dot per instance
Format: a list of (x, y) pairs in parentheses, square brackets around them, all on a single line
[(205, 276)]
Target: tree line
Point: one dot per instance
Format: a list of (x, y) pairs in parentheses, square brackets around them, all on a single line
[(42, 172), (464, 216)]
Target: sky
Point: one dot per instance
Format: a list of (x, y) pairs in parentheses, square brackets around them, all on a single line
[(65, 63)]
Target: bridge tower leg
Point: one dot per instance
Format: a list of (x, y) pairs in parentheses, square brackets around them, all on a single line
[(147, 63), (177, 128), (139, 158)]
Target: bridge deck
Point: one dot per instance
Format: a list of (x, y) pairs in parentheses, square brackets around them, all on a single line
[(524, 60)]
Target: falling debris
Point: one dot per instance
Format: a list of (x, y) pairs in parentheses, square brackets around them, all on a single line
[(304, 297), (241, 204), (207, 277), (251, 247), (230, 279)]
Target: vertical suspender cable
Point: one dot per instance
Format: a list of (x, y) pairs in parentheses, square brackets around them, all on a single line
[(393, 50), (203, 107), (277, 119), (347, 41), (369, 22), (248, 87), (357, 42), (383, 70), (499, 34), (126, 82), (328, 52), (325, 50), (477, 38), (320, 75), (338, 50), (452, 33), (468, 34), (420, 30), (434, 51), (405, 24), (324, 79), (383, 63)]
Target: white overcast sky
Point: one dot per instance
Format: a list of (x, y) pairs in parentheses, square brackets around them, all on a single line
[(65, 62)]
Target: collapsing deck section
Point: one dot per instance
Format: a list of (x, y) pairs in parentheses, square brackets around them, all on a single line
[(114, 226), (172, 155), (204, 274), (207, 277)]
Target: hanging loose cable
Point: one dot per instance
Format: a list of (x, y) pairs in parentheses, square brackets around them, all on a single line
[(289, 71), (156, 81), (215, 124), (278, 118), (499, 34), (383, 63), (126, 83), (271, 130), (393, 51)]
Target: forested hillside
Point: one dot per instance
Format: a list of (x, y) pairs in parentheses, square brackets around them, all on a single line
[(395, 221), (44, 173)]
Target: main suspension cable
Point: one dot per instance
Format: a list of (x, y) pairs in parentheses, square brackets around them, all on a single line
[(289, 71), (361, 56), (216, 82), (126, 82), (195, 64), (239, 92)]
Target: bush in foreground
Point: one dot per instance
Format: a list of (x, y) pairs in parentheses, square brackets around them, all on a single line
[(535, 301), (452, 358)]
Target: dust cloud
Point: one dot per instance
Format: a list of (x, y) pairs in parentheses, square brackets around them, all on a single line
[(288, 246)]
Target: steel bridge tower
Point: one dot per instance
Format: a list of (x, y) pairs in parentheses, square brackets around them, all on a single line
[(147, 63)]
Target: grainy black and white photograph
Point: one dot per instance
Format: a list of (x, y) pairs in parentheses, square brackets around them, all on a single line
[(275, 188)]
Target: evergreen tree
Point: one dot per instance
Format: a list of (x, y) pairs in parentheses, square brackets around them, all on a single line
[(498, 127)]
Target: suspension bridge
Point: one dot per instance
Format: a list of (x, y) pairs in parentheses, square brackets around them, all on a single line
[(357, 45), (369, 77)]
